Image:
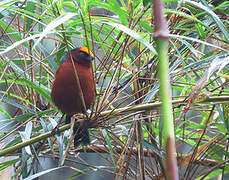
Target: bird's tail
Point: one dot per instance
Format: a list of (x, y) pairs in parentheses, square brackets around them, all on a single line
[(82, 135), (80, 132)]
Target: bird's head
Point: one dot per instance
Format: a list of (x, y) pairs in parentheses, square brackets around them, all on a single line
[(82, 55)]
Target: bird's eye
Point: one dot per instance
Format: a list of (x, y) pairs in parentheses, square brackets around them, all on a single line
[(83, 54), (86, 56)]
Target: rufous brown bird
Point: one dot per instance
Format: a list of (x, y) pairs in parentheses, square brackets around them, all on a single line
[(66, 93)]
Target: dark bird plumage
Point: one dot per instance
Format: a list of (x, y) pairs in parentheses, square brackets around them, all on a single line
[(65, 91)]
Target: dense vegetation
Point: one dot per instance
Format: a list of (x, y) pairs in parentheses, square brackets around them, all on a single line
[(36, 34)]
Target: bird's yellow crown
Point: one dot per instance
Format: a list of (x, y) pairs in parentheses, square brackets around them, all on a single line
[(86, 50)]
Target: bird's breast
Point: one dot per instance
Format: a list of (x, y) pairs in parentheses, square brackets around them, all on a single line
[(65, 92)]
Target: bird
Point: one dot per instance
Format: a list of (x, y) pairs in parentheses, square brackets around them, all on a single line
[(65, 92)]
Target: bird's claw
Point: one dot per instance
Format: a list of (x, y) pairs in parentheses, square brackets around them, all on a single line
[(55, 130)]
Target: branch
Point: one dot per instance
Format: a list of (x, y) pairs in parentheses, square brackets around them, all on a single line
[(142, 107)]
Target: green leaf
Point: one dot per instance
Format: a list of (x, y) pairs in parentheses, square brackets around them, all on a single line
[(116, 8), (212, 14), (3, 111), (50, 28), (200, 31), (25, 136), (133, 34), (147, 2), (221, 128), (6, 164), (30, 6), (17, 43), (84, 7), (43, 172), (10, 31), (108, 141), (17, 105)]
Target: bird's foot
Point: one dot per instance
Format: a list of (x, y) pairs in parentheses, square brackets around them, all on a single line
[(55, 130)]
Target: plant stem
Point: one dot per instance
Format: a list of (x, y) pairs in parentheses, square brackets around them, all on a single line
[(142, 107), (161, 36), (165, 89)]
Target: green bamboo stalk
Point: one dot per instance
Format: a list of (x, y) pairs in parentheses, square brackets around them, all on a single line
[(165, 89), (161, 36)]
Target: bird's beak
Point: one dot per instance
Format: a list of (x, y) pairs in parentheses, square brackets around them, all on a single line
[(90, 58)]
